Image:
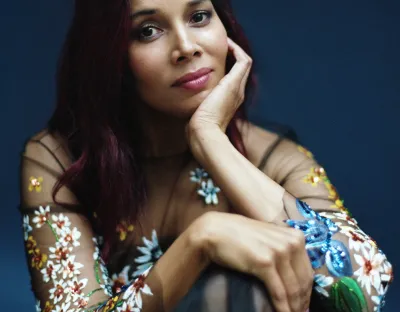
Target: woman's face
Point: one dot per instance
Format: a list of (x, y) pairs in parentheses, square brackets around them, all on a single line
[(182, 36)]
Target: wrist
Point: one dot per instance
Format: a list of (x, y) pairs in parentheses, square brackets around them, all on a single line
[(200, 236), (203, 137)]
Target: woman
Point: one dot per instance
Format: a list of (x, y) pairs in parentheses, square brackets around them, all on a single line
[(149, 190)]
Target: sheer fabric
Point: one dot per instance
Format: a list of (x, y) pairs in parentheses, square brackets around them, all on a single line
[(68, 274)]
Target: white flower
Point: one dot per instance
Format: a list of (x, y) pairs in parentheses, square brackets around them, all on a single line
[(27, 228), (63, 308), (75, 288), (57, 292), (340, 216), (60, 222), (370, 266), (133, 292), (209, 192), (151, 253), (126, 307), (68, 237), (42, 216), (50, 271), (70, 268), (121, 279), (59, 252)]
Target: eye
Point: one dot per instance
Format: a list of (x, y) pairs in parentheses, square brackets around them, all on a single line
[(200, 14), (145, 33)]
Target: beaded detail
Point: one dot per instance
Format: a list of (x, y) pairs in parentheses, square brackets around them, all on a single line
[(321, 248)]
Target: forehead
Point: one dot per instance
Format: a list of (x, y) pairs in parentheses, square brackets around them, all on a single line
[(154, 4)]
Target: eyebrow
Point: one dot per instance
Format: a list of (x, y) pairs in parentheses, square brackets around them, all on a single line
[(154, 11)]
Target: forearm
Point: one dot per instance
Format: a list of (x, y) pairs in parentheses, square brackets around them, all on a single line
[(168, 280), (250, 191), (178, 269)]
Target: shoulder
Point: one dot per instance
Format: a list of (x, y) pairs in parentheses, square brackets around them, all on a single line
[(256, 140), (279, 149), (259, 140), (47, 147)]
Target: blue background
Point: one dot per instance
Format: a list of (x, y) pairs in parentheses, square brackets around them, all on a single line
[(331, 70)]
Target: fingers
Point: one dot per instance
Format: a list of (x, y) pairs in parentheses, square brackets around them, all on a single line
[(291, 284), (276, 289), (304, 273), (301, 266), (293, 265), (283, 247), (241, 69)]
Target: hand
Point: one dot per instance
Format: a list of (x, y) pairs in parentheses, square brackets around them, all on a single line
[(274, 254), (218, 108)]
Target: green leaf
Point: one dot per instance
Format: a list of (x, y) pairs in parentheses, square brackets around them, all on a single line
[(347, 296)]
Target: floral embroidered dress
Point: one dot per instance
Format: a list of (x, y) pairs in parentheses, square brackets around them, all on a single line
[(68, 274)]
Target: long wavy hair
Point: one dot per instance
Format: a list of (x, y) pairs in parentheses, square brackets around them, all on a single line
[(94, 111)]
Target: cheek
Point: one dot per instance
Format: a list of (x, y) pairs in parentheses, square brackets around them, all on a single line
[(144, 66)]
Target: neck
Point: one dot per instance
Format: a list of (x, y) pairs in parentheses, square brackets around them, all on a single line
[(163, 136)]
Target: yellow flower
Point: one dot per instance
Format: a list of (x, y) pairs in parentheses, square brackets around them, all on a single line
[(48, 307), (333, 194), (123, 228), (110, 304), (316, 175), (35, 184), (38, 259), (30, 245), (305, 151)]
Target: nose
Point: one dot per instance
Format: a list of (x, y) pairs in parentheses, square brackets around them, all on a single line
[(185, 46)]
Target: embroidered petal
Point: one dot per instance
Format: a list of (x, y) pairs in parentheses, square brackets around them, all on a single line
[(338, 260)]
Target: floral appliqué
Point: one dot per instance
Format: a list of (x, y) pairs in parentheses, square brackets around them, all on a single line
[(151, 252), (60, 268), (123, 228), (206, 189), (131, 299), (35, 184), (318, 175)]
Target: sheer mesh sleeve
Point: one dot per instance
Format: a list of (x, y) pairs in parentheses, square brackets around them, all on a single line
[(351, 272), (67, 272)]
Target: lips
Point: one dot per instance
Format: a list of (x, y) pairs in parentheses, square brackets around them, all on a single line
[(192, 76)]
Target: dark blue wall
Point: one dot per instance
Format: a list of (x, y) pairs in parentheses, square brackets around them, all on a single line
[(331, 70)]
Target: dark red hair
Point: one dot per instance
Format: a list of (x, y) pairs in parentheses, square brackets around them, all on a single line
[(94, 110)]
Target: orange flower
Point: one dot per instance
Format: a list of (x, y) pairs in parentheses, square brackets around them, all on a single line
[(35, 184), (123, 228)]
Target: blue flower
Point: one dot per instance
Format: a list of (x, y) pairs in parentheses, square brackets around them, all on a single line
[(26, 226), (322, 281), (321, 248), (197, 175), (151, 253), (209, 192)]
